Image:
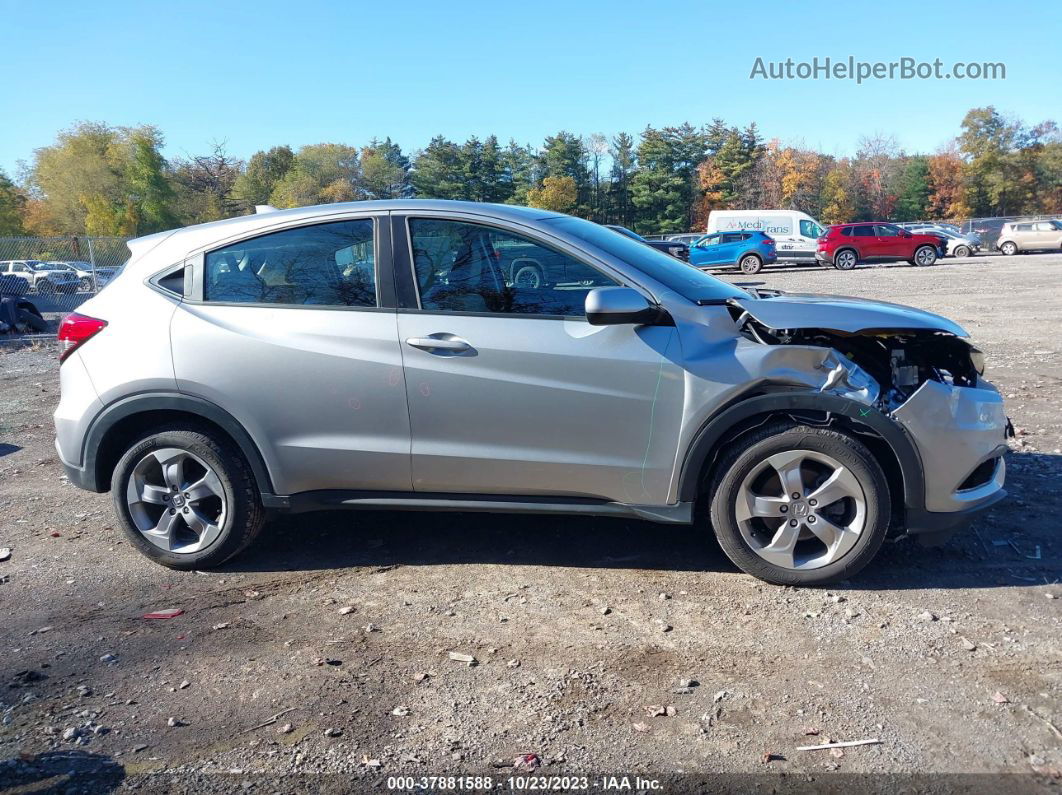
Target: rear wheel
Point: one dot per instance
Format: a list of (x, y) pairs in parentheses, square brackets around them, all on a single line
[(750, 264), (45, 287), (1009, 248), (845, 260), (924, 255), (186, 499), (798, 505)]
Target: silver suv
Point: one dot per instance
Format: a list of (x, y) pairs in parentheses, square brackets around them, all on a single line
[(374, 355)]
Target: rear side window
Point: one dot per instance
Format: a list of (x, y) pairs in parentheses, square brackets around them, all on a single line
[(863, 231), (323, 265)]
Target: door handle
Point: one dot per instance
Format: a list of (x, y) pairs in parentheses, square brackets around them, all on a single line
[(448, 343)]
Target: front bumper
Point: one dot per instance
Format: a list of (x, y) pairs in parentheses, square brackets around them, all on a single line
[(959, 433)]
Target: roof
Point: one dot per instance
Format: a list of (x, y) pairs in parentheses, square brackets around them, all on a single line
[(190, 238)]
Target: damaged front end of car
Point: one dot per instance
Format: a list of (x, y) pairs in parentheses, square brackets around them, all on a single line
[(912, 367)]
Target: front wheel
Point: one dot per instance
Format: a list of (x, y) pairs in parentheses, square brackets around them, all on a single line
[(86, 284), (1009, 248), (186, 499), (751, 264), (925, 255), (799, 505), (45, 287), (962, 251), (845, 260)]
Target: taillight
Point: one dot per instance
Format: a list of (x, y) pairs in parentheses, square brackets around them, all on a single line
[(75, 330), (769, 241)]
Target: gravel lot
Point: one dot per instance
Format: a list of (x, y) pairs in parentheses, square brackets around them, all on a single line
[(340, 625)]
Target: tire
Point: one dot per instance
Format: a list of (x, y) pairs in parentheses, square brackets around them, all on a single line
[(529, 276), (45, 287), (845, 259), (86, 284), (1009, 248), (751, 264), (962, 251), (238, 522), (813, 563), (924, 256)]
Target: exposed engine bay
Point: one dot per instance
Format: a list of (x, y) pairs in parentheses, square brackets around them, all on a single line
[(899, 360)]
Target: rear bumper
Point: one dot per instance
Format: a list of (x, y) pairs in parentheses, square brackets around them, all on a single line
[(824, 257)]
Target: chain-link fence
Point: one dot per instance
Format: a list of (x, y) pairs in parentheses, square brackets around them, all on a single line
[(59, 273)]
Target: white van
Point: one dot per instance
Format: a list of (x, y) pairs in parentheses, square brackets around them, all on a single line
[(795, 233)]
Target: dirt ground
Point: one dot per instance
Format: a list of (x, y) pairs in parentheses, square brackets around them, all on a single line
[(319, 661)]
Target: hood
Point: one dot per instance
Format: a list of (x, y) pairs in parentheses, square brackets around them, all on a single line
[(841, 314)]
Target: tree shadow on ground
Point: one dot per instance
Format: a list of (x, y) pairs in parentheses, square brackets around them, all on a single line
[(61, 772)]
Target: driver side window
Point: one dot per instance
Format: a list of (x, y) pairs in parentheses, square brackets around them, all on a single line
[(465, 267)]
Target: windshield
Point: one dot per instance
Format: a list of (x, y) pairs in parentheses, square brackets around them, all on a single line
[(1058, 224), (687, 281)]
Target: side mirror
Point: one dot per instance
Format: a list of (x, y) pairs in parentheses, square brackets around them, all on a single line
[(611, 306), (906, 233)]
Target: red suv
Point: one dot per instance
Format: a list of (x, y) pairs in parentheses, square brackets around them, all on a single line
[(846, 245)]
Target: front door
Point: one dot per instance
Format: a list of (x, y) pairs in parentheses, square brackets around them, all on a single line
[(288, 337), (512, 392)]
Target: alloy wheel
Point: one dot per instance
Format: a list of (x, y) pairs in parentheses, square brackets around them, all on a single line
[(176, 500), (925, 256), (800, 509), (750, 264), (845, 261)]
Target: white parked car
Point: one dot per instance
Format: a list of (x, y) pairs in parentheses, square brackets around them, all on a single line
[(958, 245), (795, 233)]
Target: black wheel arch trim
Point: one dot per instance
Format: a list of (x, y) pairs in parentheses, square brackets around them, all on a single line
[(144, 402), (707, 439)]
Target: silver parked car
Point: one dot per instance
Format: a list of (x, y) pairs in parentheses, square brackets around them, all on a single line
[(40, 277), (379, 355)]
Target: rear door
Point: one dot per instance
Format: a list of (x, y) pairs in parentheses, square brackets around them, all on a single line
[(510, 390), (294, 333), (865, 241), (889, 242)]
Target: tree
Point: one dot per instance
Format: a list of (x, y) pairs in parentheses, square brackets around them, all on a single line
[(876, 168), (912, 198), (12, 206), (320, 174), (384, 170), (205, 186), (559, 194), (438, 171), (520, 168), (149, 195), (264, 170), (564, 155), (597, 147), (623, 168), (837, 204), (947, 188)]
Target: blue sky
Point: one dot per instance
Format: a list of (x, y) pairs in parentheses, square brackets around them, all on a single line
[(263, 73)]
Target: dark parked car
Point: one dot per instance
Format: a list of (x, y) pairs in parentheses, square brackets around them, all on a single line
[(675, 249)]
